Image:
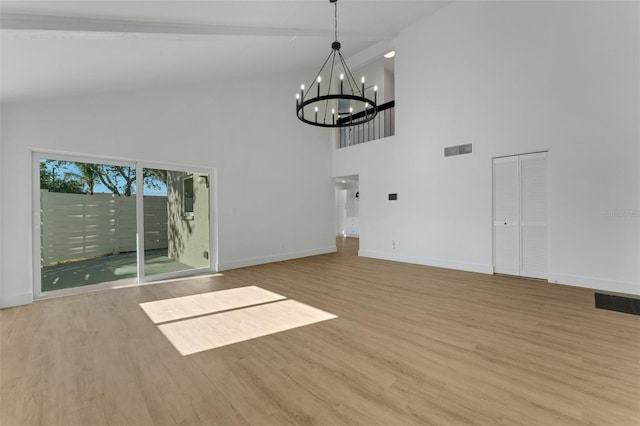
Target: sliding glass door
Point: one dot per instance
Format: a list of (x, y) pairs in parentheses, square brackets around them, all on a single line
[(87, 222), (176, 222), (98, 222)]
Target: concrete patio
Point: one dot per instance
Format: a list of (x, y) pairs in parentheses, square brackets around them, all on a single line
[(106, 269)]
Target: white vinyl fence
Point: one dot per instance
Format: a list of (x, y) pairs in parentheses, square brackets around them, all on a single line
[(79, 226)]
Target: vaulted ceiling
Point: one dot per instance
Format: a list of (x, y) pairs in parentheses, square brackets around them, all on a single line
[(68, 48)]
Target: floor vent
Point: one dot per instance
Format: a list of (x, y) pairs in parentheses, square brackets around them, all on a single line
[(628, 305)]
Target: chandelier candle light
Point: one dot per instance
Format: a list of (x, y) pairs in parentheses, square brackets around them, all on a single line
[(342, 102)]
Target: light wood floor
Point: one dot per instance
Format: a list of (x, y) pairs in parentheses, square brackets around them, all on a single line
[(412, 345)]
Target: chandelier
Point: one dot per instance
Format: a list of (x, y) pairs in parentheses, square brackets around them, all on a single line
[(344, 103)]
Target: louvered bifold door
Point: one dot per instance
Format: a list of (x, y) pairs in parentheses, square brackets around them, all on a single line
[(506, 227), (533, 215)]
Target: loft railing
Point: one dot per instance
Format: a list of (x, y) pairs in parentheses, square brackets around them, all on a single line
[(382, 126)]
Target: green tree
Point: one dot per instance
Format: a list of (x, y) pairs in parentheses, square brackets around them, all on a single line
[(81, 178), (55, 178), (88, 175), (122, 180), (118, 179)]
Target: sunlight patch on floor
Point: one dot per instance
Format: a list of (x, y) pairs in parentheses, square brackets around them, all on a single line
[(207, 303), (211, 320), (213, 331)]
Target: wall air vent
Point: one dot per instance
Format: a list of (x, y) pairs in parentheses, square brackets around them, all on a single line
[(450, 151)]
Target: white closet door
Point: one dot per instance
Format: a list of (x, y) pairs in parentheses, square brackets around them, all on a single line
[(506, 206), (533, 215)]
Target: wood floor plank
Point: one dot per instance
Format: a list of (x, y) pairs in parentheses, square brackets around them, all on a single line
[(410, 345)]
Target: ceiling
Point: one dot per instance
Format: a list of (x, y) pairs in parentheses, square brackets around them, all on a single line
[(68, 48)]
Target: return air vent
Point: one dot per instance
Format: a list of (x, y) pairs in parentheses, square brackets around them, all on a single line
[(450, 151), (627, 305)]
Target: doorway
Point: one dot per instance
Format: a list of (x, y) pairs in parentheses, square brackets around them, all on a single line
[(347, 206), (89, 214), (520, 215)]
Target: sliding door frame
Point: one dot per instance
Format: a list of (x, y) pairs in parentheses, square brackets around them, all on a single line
[(37, 154)]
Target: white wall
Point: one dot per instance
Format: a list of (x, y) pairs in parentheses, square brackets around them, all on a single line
[(511, 77), (2, 242), (373, 73), (351, 203), (341, 205), (389, 86), (245, 129)]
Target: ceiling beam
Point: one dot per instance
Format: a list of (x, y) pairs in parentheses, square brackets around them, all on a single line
[(28, 22)]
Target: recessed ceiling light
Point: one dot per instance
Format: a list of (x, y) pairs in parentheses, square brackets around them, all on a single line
[(343, 181), (390, 54)]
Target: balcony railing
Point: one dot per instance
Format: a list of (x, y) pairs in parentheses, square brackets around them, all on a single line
[(382, 126)]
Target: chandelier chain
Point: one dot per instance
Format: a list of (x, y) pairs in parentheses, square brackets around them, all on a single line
[(336, 19)]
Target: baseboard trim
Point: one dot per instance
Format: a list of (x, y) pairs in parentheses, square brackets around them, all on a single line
[(243, 263), (16, 300), (625, 287), (438, 263)]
